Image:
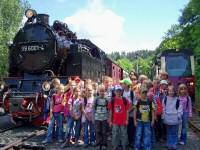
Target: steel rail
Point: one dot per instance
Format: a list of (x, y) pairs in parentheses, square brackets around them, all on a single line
[(19, 142)]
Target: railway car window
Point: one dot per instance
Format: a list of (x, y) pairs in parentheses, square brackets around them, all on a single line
[(178, 66)]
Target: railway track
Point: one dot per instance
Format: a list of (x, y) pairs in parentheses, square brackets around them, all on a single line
[(194, 123), (22, 138), (10, 127)]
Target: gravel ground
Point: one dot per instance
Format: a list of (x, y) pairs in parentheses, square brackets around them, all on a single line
[(193, 144)]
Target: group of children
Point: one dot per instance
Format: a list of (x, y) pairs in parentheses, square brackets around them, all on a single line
[(135, 113)]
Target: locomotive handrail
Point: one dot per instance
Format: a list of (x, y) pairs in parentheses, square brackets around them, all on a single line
[(32, 42), (23, 92)]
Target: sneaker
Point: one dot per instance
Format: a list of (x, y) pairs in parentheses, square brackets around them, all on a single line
[(181, 143), (93, 143), (60, 141), (46, 141), (73, 140)]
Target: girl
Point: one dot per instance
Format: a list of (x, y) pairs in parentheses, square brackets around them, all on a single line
[(88, 111), (172, 113), (75, 104), (56, 115), (185, 101)]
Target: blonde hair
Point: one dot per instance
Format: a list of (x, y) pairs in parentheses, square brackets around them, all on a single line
[(55, 82), (180, 87), (101, 87), (61, 87), (142, 77)]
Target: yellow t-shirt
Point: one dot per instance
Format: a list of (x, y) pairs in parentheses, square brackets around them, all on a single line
[(144, 108)]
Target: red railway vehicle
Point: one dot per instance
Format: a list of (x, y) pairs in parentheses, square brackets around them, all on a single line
[(179, 64)]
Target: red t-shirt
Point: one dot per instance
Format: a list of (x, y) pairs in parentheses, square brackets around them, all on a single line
[(119, 111)]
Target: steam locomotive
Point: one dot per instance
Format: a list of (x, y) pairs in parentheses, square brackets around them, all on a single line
[(41, 52)]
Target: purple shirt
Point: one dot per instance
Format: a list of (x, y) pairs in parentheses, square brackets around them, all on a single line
[(57, 104), (186, 104)]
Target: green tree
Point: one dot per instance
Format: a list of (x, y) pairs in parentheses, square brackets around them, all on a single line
[(11, 15), (126, 64), (172, 39)]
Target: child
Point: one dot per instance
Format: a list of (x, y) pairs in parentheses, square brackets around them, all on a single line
[(70, 121), (107, 82), (88, 111), (54, 85), (160, 129), (129, 95), (143, 120), (75, 104), (172, 113), (56, 115), (101, 118), (119, 113), (185, 101)]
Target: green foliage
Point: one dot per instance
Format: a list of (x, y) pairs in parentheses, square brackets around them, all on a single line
[(11, 14), (186, 34), (140, 61), (172, 39), (125, 64)]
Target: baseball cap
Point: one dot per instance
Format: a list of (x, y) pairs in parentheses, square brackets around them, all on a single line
[(163, 82), (118, 87), (126, 81), (77, 79)]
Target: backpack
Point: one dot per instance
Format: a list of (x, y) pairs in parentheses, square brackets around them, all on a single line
[(85, 101), (177, 102), (131, 95), (138, 114), (159, 106)]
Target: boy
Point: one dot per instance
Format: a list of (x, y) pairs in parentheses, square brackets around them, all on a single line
[(101, 118), (143, 120), (129, 95), (119, 113)]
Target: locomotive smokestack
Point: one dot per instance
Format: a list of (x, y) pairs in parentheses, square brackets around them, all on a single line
[(43, 18)]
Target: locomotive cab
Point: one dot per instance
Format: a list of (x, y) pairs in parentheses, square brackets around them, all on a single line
[(179, 64)]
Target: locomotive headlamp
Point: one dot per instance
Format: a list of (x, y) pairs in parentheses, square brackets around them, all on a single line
[(191, 83), (30, 13), (46, 86), (1, 86)]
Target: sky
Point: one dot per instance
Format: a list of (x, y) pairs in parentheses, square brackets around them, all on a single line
[(115, 25)]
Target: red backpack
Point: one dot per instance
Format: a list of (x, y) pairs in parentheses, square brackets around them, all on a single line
[(159, 106)]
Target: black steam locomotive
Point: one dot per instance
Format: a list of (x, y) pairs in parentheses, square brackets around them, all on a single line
[(38, 47), (41, 52)]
